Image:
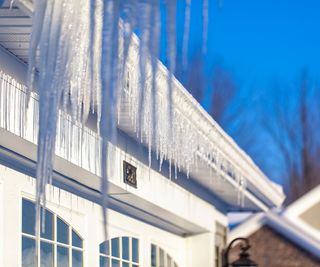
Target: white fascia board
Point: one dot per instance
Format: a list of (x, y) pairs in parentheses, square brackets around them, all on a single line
[(281, 225), (303, 203), (293, 233)]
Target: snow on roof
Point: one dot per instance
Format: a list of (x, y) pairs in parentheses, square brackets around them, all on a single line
[(294, 211), (282, 225)]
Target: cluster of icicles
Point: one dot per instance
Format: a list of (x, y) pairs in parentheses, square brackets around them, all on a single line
[(89, 61)]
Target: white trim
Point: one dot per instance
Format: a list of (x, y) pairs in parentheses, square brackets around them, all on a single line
[(280, 224)]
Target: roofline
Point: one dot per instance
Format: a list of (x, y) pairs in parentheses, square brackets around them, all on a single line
[(260, 186), (282, 226)]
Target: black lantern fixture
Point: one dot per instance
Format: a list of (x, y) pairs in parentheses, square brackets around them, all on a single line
[(244, 257)]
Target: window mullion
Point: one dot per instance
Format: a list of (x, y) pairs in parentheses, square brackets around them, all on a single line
[(70, 245)]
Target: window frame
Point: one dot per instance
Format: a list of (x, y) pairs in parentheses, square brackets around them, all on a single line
[(166, 255), (120, 258), (37, 238)]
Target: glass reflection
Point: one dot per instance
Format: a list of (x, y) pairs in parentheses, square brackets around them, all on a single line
[(62, 256), (76, 240), (48, 225), (28, 217), (135, 250), (76, 258), (46, 254), (115, 247), (62, 231), (125, 248), (115, 263), (28, 252), (153, 256), (104, 248), (104, 261)]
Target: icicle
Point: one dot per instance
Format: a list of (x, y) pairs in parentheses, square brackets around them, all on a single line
[(37, 22), (185, 43), (205, 14), (109, 63)]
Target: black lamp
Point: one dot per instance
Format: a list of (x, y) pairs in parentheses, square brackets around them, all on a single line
[(244, 257)]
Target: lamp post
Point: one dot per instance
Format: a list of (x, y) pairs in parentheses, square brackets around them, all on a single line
[(244, 257)]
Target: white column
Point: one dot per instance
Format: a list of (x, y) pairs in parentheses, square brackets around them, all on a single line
[(200, 250), (1, 218)]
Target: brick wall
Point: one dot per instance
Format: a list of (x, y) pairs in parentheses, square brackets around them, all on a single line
[(270, 249)]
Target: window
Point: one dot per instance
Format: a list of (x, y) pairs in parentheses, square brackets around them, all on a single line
[(58, 246), (120, 251), (159, 258)]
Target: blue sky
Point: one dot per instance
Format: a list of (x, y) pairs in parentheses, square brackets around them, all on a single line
[(260, 40)]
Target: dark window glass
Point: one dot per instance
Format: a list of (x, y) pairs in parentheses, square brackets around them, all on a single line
[(161, 258), (28, 252), (135, 250), (62, 256), (46, 254), (125, 264), (77, 260), (104, 261), (115, 263), (76, 240), (28, 217), (153, 256), (104, 248), (115, 247), (62, 231), (125, 248), (48, 225), (134, 265)]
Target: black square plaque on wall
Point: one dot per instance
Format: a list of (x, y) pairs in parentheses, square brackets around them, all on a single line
[(130, 174)]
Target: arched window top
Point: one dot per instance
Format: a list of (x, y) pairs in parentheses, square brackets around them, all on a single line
[(160, 258), (57, 238), (120, 251)]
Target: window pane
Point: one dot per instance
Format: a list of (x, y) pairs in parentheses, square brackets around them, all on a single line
[(28, 217), (46, 254), (62, 232), (161, 258), (104, 261), (134, 265), (104, 248), (77, 258), (125, 248), (135, 250), (125, 264), (62, 257), (76, 240), (28, 252), (153, 256), (115, 263), (115, 247), (48, 226)]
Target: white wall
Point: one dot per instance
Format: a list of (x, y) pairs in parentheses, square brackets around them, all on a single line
[(85, 217)]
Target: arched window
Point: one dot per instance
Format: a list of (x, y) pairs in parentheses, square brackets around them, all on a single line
[(58, 246), (159, 258), (120, 251)]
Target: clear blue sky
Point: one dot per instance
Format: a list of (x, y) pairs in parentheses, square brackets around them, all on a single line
[(260, 40)]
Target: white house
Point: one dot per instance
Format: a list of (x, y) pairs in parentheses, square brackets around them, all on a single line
[(153, 219)]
